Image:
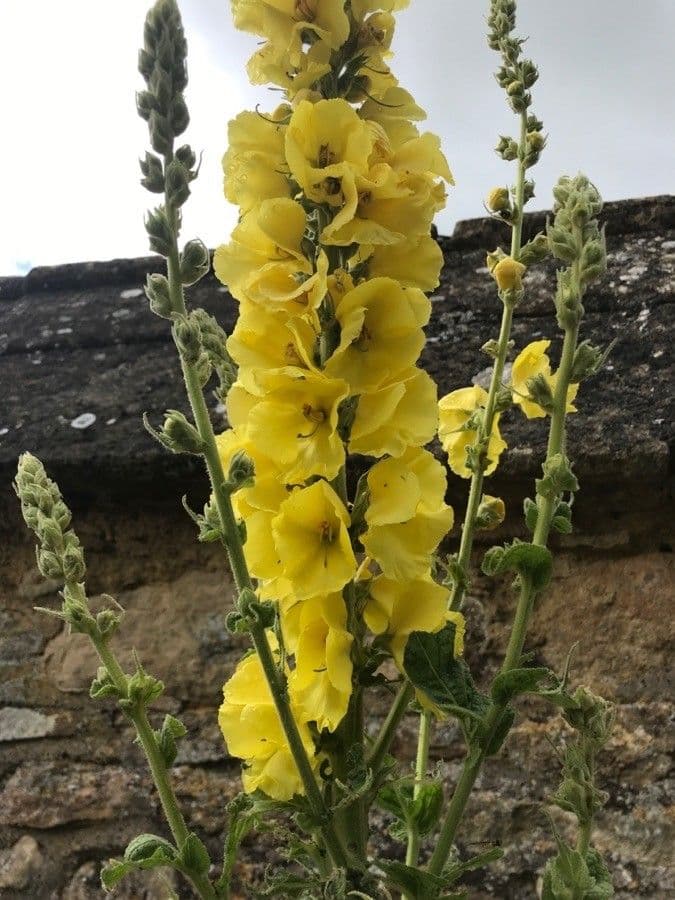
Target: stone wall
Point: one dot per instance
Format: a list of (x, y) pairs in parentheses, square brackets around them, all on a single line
[(73, 788)]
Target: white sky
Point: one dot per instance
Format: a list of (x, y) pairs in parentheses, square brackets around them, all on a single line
[(71, 136)]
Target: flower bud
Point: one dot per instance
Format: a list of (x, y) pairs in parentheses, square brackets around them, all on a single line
[(507, 148), (158, 293), (49, 564), (153, 173), (179, 117), (535, 250), (498, 199), (73, 564), (188, 338), (508, 274), (145, 104), (491, 513), (49, 534), (159, 231), (593, 260), (539, 391), (194, 262), (241, 472), (179, 435), (529, 73), (161, 137), (177, 184)]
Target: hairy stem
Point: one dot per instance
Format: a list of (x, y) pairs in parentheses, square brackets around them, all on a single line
[(242, 578), (475, 758), (421, 762), (158, 769)]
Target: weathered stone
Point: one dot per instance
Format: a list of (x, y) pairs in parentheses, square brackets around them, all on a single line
[(44, 796), (17, 724), (19, 863)]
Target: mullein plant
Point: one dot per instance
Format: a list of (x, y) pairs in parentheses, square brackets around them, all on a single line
[(339, 582)]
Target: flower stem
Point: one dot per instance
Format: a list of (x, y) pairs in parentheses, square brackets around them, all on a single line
[(475, 757), (148, 741), (242, 579), (420, 774)]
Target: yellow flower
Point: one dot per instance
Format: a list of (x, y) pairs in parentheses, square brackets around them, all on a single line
[(322, 679), (286, 22), (327, 145), (415, 263), (491, 512), (508, 274), (361, 8), (312, 542), (252, 730), (399, 414), (271, 63), (295, 416), (381, 333), (265, 261), (498, 199), (255, 165), (397, 608), (533, 362), (270, 338), (407, 516), (456, 434)]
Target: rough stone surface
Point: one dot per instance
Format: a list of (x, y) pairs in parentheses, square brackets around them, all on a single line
[(19, 863), (74, 788)]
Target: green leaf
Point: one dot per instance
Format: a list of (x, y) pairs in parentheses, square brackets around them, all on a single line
[(532, 562), (415, 883), (531, 513), (194, 855), (430, 664), (426, 807), (456, 869), (103, 685), (572, 876), (500, 733), (171, 731), (146, 851), (518, 681)]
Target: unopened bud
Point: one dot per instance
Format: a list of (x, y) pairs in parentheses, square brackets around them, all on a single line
[(539, 391), (188, 339), (535, 250), (179, 117), (491, 513), (49, 564), (153, 173), (498, 199), (194, 262), (180, 436), (508, 274), (159, 231), (507, 148), (158, 293), (177, 184), (73, 564), (241, 471)]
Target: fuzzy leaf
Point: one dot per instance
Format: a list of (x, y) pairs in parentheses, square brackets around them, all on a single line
[(171, 731), (430, 664), (518, 681), (530, 561), (147, 851)]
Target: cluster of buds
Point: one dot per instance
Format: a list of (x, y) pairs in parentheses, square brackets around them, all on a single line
[(576, 238), (59, 555), (515, 75)]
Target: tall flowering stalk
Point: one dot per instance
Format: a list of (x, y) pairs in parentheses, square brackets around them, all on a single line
[(324, 498)]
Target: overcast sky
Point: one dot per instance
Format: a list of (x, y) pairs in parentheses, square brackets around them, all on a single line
[(71, 137)]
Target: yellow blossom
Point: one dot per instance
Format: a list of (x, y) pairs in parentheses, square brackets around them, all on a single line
[(381, 333), (415, 262), (265, 262), (312, 542), (327, 146), (270, 338), (295, 415), (407, 515), (252, 730), (321, 681), (399, 414), (498, 199), (361, 8), (255, 165), (508, 274), (456, 433), (397, 608), (533, 362)]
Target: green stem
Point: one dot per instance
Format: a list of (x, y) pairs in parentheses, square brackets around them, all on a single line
[(584, 837), (420, 774), (396, 712), (474, 759), (243, 580), (158, 769)]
